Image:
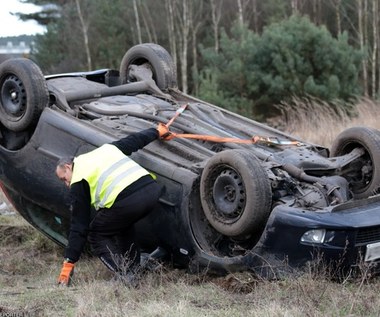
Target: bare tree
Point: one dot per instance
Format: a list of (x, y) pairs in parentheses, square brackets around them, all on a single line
[(240, 12), (316, 12), (149, 23), (184, 22), (294, 5), (337, 5), (216, 13), (375, 49), (248, 13), (255, 16), (137, 18), (361, 28), (169, 5), (84, 29), (375, 22), (196, 23)]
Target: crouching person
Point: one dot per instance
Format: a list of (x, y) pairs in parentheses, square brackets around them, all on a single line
[(121, 191)]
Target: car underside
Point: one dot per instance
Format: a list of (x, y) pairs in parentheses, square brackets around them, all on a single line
[(271, 203)]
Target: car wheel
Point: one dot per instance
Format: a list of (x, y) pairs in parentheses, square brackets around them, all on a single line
[(235, 193), (362, 174), (23, 94), (159, 60)]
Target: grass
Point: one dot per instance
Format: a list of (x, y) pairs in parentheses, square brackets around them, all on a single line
[(30, 264), (319, 122), (28, 285)]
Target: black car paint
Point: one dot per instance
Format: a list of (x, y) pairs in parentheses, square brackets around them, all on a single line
[(287, 225), (27, 177), (68, 137)]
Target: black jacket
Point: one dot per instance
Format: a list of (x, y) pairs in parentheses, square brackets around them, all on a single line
[(81, 199)]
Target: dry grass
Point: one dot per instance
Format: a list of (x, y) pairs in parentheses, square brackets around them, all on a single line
[(30, 263), (29, 266), (319, 122)]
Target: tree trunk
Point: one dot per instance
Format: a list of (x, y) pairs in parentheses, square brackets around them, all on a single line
[(137, 18), (240, 12), (255, 16), (216, 13), (85, 35), (196, 22), (317, 12), (362, 47), (338, 18), (375, 21), (171, 30), (147, 29), (148, 20), (377, 40), (366, 40), (294, 4), (185, 30)]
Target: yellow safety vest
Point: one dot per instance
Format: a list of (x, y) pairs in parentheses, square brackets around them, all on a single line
[(108, 171)]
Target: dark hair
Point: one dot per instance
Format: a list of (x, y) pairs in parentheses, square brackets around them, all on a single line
[(65, 160)]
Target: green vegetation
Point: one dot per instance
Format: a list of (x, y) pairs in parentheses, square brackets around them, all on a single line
[(291, 58), (297, 58), (245, 55)]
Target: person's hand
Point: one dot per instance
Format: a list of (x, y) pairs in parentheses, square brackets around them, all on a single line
[(67, 272), (163, 132), (255, 139)]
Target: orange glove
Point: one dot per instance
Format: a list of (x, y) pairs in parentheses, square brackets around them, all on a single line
[(164, 133), (67, 272), (255, 139)]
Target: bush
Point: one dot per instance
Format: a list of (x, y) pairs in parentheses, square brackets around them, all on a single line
[(291, 58), (295, 57)]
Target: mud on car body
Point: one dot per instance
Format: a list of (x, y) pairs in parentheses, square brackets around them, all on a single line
[(224, 206)]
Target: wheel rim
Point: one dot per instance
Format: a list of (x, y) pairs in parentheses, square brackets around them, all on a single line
[(228, 196), (13, 96)]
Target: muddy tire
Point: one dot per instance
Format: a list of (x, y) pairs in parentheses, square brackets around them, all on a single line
[(362, 174), (158, 59), (235, 193), (23, 94)]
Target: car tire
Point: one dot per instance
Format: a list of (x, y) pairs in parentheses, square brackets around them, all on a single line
[(23, 94), (362, 183), (235, 193), (160, 61)]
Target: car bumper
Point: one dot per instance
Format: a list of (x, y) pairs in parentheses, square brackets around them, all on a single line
[(352, 235)]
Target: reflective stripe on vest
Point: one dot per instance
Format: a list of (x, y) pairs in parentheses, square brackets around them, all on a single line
[(108, 171), (126, 174)]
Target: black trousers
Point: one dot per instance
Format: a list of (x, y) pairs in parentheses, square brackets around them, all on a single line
[(112, 231)]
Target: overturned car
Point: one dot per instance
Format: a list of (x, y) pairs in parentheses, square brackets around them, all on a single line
[(260, 205)]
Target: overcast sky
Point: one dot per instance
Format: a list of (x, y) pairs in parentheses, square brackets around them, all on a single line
[(11, 25)]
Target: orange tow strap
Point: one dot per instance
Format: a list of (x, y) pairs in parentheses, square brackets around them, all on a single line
[(218, 139), (212, 138)]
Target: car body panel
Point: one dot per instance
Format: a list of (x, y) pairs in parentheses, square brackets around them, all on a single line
[(308, 190)]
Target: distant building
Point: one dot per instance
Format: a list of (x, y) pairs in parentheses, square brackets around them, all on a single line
[(19, 46)]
